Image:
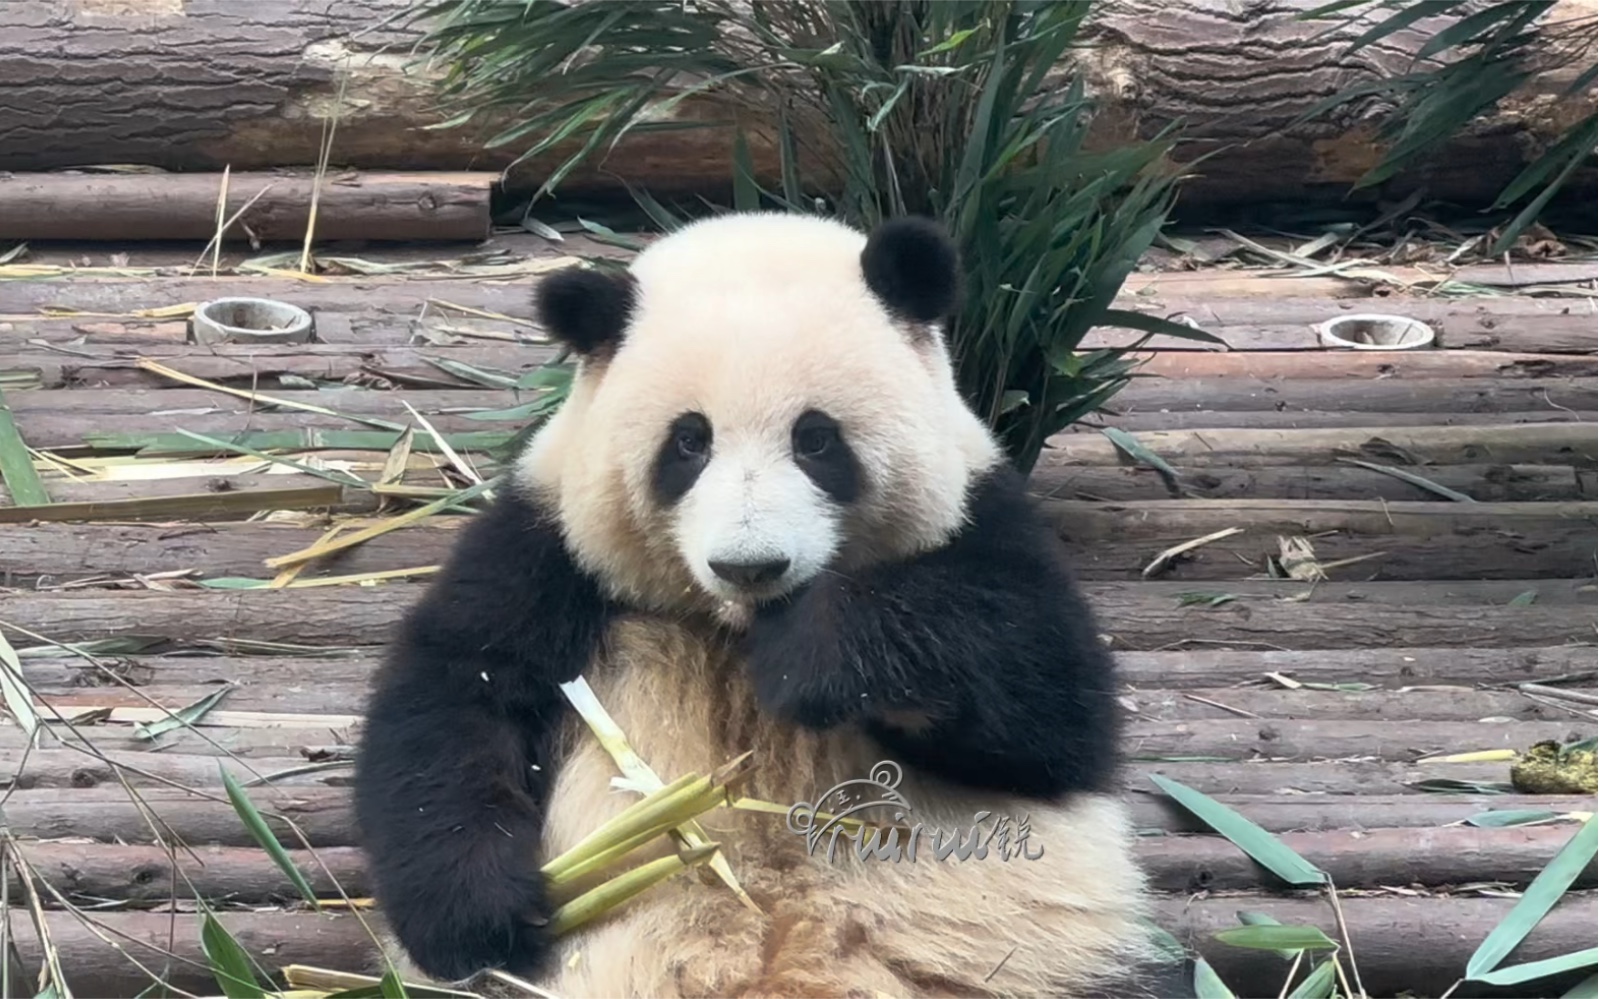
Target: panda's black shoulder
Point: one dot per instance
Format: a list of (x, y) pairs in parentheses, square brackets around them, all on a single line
[(508, 567)]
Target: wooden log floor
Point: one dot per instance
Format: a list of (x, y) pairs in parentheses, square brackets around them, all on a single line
[(1366, 560)]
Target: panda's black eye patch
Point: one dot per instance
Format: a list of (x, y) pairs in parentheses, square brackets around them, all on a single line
[(683, 455), (822, 454)]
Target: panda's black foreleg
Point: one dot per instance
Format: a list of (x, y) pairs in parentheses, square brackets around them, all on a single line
[(455, 766), (979, 661)]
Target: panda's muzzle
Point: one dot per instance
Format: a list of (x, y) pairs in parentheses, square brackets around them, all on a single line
[(750, 575)]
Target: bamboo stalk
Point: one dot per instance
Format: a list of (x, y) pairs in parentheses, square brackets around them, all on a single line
[(184, 506)]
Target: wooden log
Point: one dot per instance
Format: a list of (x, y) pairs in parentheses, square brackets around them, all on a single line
[(1415, 944), (1430, 703), (214, 504), (1147, 64), (62, 422), (1125, 536), (1425, 395), (1226, 738), (354, 616), (101, 359), (1361, 365), (1285, 322), (265, 488), (146, 874), (64, 419), (197, 818), (1404, 946), (1545, 443), (286, 679), (1110, 540), (1285, 738), (1139, 519), (291, 676), (71, 766), (1379, 857), (1350, 780), (263, 367), (268, 206), (379, 311), (46, 805), (1518, 541), (1484, 483), (1383, 666), (1210, 419), (249, 702)]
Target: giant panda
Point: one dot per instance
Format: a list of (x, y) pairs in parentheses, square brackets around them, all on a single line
[(764, 520)]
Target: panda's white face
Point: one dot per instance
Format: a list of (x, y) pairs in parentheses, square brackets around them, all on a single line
[(762, 420), (757, 513)]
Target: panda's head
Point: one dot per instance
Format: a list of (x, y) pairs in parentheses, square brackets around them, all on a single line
[(759, 398)]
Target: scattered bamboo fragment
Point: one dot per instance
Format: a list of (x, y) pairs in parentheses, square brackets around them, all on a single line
[(156, 367), (393, 523), (1164, 558)]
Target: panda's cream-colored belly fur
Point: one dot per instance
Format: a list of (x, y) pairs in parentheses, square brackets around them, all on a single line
[(839, 926)]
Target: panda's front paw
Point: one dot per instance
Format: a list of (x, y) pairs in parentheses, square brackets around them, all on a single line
[(501, 929), (794, 662)]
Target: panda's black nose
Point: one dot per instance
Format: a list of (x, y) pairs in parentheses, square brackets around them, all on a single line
[(750, 573)]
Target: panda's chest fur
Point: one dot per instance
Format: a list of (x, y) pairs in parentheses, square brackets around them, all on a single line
[(842, 923), (682, 697)]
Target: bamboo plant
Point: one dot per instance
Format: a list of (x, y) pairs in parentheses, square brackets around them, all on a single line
[(964, 110)]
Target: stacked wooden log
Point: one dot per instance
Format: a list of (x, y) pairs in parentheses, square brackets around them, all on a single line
[(1302, 631), (260, 83)]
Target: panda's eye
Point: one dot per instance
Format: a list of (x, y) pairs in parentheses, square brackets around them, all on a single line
[(690, 444), (812, 442)]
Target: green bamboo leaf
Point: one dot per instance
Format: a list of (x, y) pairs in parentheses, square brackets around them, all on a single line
[(1277, 937), (477, 376), (746, 194), (183, 717), (1129, 444), (1540, 896), (1264, 848), (1404, 19), (1467, 29), (391, 986), (1262, 919), (18, 696), (1154, 324), (262, 834), (16, 463), (1207, 984), (1169, 948), (1578, 141), (1531, 971), (234, 583), (1321, 983), (1588, 988), (230, 965), (1510, 817), (1587, 745)]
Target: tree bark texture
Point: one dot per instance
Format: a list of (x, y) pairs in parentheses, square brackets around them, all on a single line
[(354, 616), (203, 84), (1109, 543), (245, 873), (1404, 944), (259, 207)]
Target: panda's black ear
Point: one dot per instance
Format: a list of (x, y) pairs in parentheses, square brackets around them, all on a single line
[(586, 310), (912, 265)]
